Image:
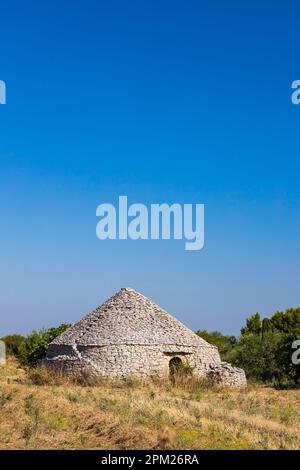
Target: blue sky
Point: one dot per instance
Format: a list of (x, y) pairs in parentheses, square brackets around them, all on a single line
[(163, 101)]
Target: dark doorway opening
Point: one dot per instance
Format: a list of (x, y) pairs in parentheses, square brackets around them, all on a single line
[(175, 365)]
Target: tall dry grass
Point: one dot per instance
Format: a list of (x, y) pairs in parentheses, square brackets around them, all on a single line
[(43, 410)]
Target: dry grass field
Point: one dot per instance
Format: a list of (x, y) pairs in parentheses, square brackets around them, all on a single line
[(38, 412)]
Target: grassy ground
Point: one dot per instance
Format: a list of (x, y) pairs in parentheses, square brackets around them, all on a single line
[(36, 413)]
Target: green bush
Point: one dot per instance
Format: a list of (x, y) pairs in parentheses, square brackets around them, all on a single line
[(12, 343), (264, 348), (225, 344), (257, 355), (35, 346)]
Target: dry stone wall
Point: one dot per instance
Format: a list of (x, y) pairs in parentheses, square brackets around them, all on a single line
[(131, 360)]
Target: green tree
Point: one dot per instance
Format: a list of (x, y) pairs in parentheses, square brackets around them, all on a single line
[(225, 344), (257, 355), (35, 345), (288, 372), (287, 321), (253, 325), (264, 349)]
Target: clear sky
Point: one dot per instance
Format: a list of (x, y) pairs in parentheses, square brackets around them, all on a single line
[(163, 101)]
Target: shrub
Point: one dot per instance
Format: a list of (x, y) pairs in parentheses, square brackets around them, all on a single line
[(224, 343), (13, 343), (35, 346), (264, 348), (5, 398), (257, 355)]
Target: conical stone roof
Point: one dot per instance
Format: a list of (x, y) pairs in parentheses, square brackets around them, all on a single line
[(129, 318)]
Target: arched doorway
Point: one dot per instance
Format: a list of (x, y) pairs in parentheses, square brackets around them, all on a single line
[(174, 366)]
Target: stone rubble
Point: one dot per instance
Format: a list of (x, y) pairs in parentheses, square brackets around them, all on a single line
[(225, 375)]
